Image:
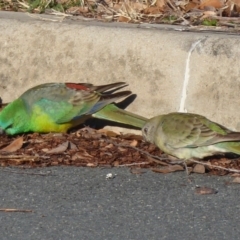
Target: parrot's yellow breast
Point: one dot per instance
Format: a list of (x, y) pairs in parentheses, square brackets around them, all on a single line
[(42, 122)]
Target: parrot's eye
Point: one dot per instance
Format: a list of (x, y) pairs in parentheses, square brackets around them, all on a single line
[(145, 130)]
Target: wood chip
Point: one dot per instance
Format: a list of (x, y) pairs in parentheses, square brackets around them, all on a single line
[(205, 190), (13, 146), (199, 168)]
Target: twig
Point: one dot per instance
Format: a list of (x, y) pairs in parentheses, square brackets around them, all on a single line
[(132, 164), (28, 173), (135, 148), (184, 162), (14, 210), (18, 157), (214, 166)]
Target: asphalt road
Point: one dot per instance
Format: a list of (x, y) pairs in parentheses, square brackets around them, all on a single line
[(80, 203)]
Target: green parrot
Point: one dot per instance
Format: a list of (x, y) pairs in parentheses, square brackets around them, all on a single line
[(57, 107), (188, 136)]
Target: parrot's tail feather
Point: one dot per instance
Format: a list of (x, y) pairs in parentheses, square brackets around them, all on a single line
[(107, 99), (114, 96), (115, 114), (104, 88), (231, 147)]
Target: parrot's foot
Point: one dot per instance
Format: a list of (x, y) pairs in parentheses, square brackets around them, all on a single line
[(184, 162)]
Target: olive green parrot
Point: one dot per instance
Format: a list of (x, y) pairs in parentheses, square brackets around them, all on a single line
[(188, 136)]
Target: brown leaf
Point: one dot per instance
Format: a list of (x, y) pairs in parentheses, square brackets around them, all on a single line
[(152, 10), (224, 161), (236, 180), (130, 136), (235, 175), (231, 6), (73, 146), (160, 4), (59, 149), (108, 133), (199, 168), (123, 19), (91, 164), (84, 156), (213, 3), (134, 143), (190, 6), (205, 190), (168, 169), (77, 10), (13, 146)]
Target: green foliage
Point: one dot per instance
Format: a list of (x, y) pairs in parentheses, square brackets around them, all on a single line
[(170, 19), (209, 22), (61, 6)]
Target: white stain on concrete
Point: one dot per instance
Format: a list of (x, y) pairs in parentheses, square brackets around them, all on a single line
[(187, 77)]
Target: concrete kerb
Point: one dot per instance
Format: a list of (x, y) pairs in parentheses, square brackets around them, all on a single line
[(168, 70)]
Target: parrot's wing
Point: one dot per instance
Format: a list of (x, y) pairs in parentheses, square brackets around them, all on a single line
[(64, 102), (192, 130)]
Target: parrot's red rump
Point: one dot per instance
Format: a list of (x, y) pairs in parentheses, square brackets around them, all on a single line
[(77, 86)]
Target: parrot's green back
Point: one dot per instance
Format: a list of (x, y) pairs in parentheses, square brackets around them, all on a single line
[(186, 136)]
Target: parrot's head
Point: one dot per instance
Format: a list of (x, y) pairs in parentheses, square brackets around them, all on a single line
[(149, 130), (6, 118)]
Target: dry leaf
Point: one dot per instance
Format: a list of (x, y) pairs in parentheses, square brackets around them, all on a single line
[(77, 10), (123, 19), (91, 165), (152, 10), (199, 168), (109, 145), (160, 4), (85, 156), (236, 180), (168, 169), (235, 175), (224, 161), (59, 149), (134, 143), (208, 14), (205, 190), (213, 3), (131, 136), (190, 6), (13, 146), (73, 146), (108, 133)]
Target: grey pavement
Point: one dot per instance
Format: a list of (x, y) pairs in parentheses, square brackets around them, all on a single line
[(80, 203)]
